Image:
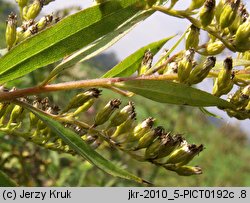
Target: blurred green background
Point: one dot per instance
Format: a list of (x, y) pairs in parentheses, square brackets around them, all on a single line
[(225, 160)]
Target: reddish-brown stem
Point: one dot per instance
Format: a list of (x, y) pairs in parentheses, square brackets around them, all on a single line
[(104, 83), (4, 96)]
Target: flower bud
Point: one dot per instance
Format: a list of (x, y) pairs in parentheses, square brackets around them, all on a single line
[(34, 9), (44, 21), (122, 115), (52, 110), (242, 36), (33, 120), (201, 71), (22, 3), (207, 13), (85, 106), (234, 26), (16, 113), (21, 31), (184, 154), (223, 83), (196, 4), (81, 98), (22, 35), (192, 37), (163, 146), (241, 97), (146, 62), (172, 68), (153, 150), (219, 9), (141, 129), (26, 24), (126, 126), (104, 114), (185, 65), (168, 145), (19, 34), (240, 18), (228, 13), (185, 170), (149, 137), (213, 48), (11, 30)]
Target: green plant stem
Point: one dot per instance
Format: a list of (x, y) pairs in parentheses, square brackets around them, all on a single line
[(184, 14)]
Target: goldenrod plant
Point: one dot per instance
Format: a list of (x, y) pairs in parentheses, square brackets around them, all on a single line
[(34, 41)]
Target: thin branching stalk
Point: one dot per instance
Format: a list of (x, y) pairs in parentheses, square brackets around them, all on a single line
[(104, 83), (184, 15)]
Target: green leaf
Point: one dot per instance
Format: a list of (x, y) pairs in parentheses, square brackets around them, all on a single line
[(170, 92), (83, 149), (129, 65), (6, 181), (66, 37), (208, 113), (100, 45)]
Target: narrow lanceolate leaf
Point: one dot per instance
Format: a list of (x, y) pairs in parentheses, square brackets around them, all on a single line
[(131, 64), (66, 37), (6, 181), (171, 92), (99, 45), (208, 113), (83, 149)]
